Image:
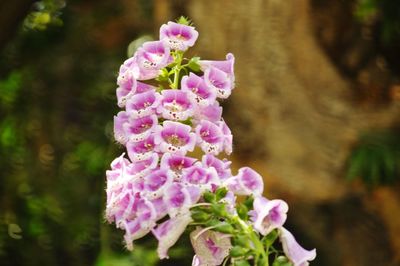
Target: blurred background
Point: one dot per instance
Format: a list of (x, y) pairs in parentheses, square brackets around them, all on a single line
[(315, 111)]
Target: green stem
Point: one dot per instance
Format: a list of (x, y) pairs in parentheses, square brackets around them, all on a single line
[(177, 69)]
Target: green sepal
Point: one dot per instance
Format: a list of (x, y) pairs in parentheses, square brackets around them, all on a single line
[(220, 193), (193, 64), (242, 263), (200, 216), (270, 238), (209, 196), (282, 261), (224, 227)]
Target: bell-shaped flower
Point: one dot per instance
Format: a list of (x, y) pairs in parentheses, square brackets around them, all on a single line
[(175, 105), (246, 182), (156, 182), (142, 168), (228, 138), (143, 104), (177, 199), (175, 163), (219, 82), (150, 59), (199, 176), (211, 113), (268, 215), (225, 65), (141, 221), (140, 129), (174, 137), (295, 253), (223, 167), (128, 87), (209, 137), (210, 247), (120, 120), (178, 36), (198, 92), (160, 207), (141, 150), (168, 232)]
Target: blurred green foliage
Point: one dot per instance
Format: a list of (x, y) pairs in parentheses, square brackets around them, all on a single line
[(376, 158), (386, 12), (45, 13)]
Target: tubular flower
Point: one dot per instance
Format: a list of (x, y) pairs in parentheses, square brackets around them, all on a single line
[(175, 105), (177, 36), (174, 137)]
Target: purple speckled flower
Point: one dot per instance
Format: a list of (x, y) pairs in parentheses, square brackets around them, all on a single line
[(295, 253), (198, 92), (175, 163), (199, 176), (156, 182), (119, 133), (175, 105), (177, 199), (129, 87), (178, 36), (150, 59), (143, 104), (140, 222), (168, 232), (142, 168), (210, 247), (141, 128), (223, 167), (228, 138), (246, 182), (211, 112), (218, 81), (268, 214), (174, 137), (209, 137), (141, 150), (225, 65)]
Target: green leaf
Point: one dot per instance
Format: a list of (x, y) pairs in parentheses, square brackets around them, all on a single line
[(282, 261), (242, 263), (238, 251)]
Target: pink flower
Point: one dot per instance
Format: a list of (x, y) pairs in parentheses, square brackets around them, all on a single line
[(178, 36), (218, 81), (198, 92), (177, 199), (200, 177), (156, 182), (268, 214), (295, 253), (119, 133), (209, 137), (174, 137), (175, 105), (210, 247), (143, 104), (221, 166), (169, 232), (141, 150), (225, 65), (246, 182), (175, 163)]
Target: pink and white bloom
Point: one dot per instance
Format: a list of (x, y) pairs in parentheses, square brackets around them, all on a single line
[(169, 232), (295, 253), (177, 198), (225, 65), (143, 104), (198, 92), (200, 177), (211, 247), (223, 167), (141, 150), (150, 59), (175, 163), (246, 182), (140, 169), (218, 81), (175, 105), (228, 138), (156, 182), (128, 87), (268, 215), (211, 112), (174, 137), (178, 36), (120, 120), (141, 128), (209, 137)]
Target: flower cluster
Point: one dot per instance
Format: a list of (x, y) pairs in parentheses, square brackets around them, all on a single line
[(160, 187)]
